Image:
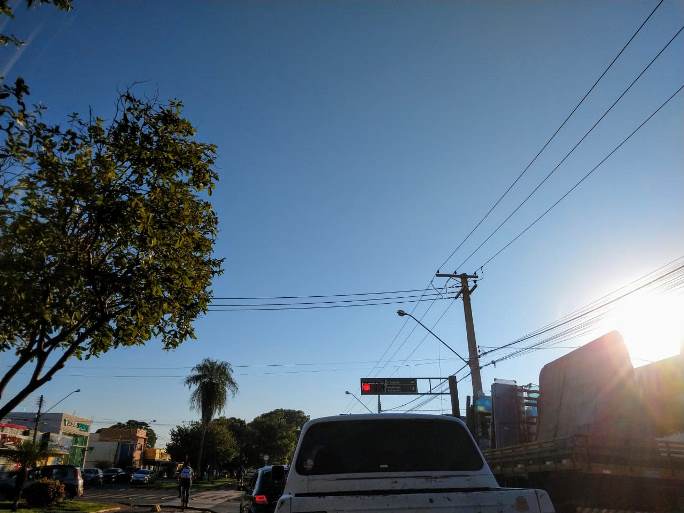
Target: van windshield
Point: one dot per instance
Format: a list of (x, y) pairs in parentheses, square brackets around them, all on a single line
[(388, 445)]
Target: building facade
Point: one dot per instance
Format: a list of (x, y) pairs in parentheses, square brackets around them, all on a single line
[(65, 434), (11, 436), (120, 447)]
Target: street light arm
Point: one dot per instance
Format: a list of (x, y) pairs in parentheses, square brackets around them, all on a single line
[(62, 399), (359, 400), (401, 313)]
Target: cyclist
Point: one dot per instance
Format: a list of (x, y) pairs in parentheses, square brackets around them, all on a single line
[(185, 480)]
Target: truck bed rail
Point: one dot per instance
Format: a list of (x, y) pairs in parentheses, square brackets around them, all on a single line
[(658, 459)]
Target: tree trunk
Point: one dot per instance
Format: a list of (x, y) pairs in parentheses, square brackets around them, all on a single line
[(201, 451), (22, 475)]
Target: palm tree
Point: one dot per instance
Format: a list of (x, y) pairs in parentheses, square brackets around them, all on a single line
[(211, 380), (26, 455)]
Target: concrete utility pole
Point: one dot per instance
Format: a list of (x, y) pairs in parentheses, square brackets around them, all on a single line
[(38, 413), (453, 392), (473, 356)]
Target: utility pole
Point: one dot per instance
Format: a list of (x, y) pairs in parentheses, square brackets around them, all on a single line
[(473, 356), (453, 392), (379, 405), (35, 427)]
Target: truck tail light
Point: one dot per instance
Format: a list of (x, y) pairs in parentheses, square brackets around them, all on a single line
[(261, 499)]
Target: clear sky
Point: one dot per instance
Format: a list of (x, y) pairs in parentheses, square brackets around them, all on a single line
[(359, 141)]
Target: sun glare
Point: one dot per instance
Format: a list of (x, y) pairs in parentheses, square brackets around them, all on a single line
[(652, 327)]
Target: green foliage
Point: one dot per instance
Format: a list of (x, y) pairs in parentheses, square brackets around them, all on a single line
[(212, 380), (106, 235), (220, 446), (7, 9), (137, 424), (274, 433), (28, 454), (44, 492)]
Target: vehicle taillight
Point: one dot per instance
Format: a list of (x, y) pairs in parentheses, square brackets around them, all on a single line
[(261, 499)]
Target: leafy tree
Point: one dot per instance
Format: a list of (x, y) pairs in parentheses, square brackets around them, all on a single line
[(240, 432), (220, 446), (275, 433), (137, 424), (6, 9), (106, 235), (26, 456), (211, 380)]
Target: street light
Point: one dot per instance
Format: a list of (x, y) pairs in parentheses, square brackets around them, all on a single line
[(62, 399), (359, 400), (402, 313)]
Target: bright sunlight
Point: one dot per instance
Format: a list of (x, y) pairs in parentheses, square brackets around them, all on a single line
[(652, 326)]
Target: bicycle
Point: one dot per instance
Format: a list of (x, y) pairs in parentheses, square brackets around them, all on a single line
[(185, 494)]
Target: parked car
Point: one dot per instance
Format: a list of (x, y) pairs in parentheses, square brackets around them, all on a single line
[(69, 475), (142, 476), (7, 484), (115, 475), (264, 490), (93, 477), (130, 471)]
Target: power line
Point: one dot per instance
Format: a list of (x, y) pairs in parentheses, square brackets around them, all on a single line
[(451, 303), (526, 168), (572, 150), (350, 294), (546, 144), (589, 173), (377, 367), (550, 139), (335, 301), (583, 314), (280, 308)]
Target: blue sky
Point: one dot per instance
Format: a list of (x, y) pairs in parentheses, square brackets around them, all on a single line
[(358, 143)]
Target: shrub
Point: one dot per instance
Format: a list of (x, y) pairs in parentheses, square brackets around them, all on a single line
[(44, 492)]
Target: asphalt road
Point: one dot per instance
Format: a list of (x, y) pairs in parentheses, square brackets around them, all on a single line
[(221, 501)]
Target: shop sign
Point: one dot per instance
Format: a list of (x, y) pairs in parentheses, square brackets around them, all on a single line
[(81, 426)]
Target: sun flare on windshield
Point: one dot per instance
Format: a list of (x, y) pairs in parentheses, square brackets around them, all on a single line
[(652, 327)]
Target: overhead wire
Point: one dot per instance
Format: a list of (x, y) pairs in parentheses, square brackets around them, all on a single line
[(553, 136), (323, 307), (581, 180), (583, 313), (572, 150), (313, 296), (536, 156), (334, 301)]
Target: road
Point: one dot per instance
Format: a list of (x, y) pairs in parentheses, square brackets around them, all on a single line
[(221, 501)]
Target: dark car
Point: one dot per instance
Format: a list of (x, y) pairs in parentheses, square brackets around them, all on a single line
[(143, 477), (69, 475), (93, 477), (264, 490), (115, 475), (7, 484)]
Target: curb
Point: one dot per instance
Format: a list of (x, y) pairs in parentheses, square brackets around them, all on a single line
[(108, 510), (191, 508)]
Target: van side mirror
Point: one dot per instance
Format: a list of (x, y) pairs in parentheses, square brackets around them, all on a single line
[(278, 473)]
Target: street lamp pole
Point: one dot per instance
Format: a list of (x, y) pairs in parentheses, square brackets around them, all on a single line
[(402, 313), (63, 399), (453, 387), (359, 400)]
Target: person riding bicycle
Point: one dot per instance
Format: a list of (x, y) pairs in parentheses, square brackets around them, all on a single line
[(185, 481)]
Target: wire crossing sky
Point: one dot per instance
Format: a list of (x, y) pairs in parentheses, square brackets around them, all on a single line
[(358, 144)]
